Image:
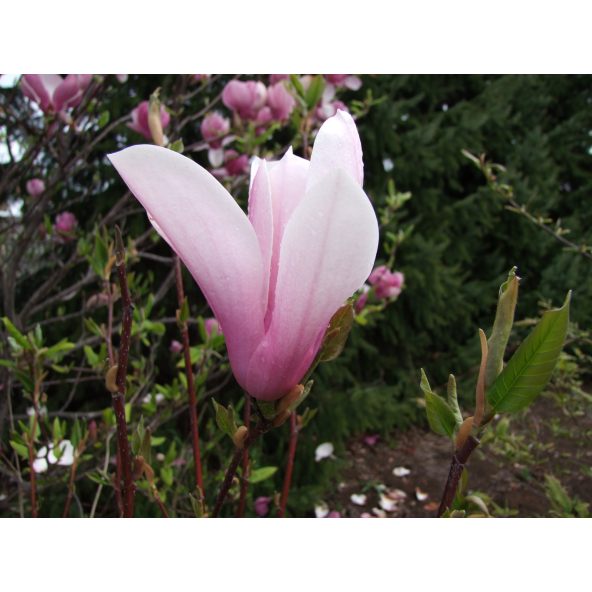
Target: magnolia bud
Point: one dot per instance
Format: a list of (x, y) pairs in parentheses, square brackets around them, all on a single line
[(35, 187), (111, 379), (463, 432), (154, 120), (240, 436), (288, 400)]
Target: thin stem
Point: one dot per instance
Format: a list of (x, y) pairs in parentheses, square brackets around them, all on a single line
[(457, 466), (118, 398), (233, 466), (245, 472), (190, 382), (290, 464)]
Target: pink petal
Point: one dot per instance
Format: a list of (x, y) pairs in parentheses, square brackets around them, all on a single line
[(327, 252), (337, 145), (211, 234), (67, 94)]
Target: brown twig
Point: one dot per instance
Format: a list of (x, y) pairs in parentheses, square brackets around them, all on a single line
[(118, 398), (290, 464), (189, 374), (245, 472), (457, 466), (253, 434)]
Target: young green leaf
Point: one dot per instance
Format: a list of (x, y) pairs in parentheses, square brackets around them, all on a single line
[(261, 474), (16, 334), (502, 326), (440, 416), (529, 369)]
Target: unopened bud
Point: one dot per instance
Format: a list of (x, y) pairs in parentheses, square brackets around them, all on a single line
[(138, 467), (463, 432), (111, 379), (288, 400), (240, 436), (154, 120), (281, 418)]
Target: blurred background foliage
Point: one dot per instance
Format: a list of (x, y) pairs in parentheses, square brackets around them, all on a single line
[(460, 241)]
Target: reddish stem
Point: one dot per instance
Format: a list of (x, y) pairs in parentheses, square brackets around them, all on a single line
[(190, 382), (245, 473), (118, 398), (290, 464)]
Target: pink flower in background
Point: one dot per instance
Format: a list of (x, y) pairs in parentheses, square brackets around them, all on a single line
[(65, 224), (264, 117), (235, 163), (212, 326), (140, 119), (347, 80), (35, 187), (175, 347), (275, 78), (52, 92), (362, 299), (244, 98), (333, 514), (274, 309), (280, 101), (326, 110), (262, 506), (387, 284), (121, 78), (213, 128), (371, 439)]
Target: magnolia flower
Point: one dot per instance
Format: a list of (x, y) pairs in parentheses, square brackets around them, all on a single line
[(175, 347), (275, 278), (280, 101), (347, 80), (262, 506), (140, 119), (245, 98), (273, 78), (52, 92), (65, 223), (35, 187), (213, 128), (387, 284), (45, 456)]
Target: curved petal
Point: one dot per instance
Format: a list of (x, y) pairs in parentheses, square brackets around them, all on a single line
[(327, 252), (261, 216), (67, 94), (33, 88), (210, 233), (337, 145)]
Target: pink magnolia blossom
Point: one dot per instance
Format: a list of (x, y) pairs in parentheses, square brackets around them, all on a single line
[(274, 78), (213, 128), (245, 98), (65, 224), (52, 92), (326, 110), (387, 284), (140, 119), (347, 80), (175, 347), (264, 117), (275, 278), (280, 101), (262, 506), (35, 187), (235, 163)]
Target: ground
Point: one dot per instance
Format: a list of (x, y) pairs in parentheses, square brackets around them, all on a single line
[(510, 467)]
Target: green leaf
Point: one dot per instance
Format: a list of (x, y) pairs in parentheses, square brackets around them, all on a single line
[(502, 327), (103, 119), (530, 368), (314, 92), (337, 333), (91, 357), (60, 348), (177, 146), (452, 398), (261, 474), (440, 416), (16, 334), (20, 449), (225, 418)]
